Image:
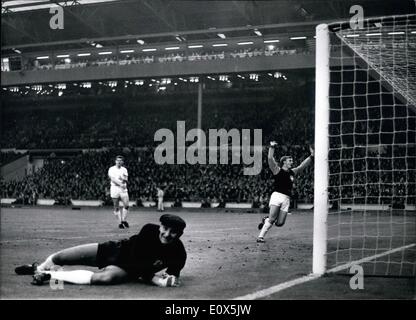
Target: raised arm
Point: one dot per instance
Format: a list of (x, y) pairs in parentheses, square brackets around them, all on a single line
[(274, 167), (305, 162)]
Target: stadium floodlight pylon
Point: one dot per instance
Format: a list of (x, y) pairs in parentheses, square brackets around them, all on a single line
[(365, 134)]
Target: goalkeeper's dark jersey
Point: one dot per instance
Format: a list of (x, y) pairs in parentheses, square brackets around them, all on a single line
[(143, 254), (283, 182)]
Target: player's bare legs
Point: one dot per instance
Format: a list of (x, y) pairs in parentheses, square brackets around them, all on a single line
[(85, 254), (160, 205), (281, 218), (125, 211), (116, 210), (274, 214), (80, 255), (109, 275)]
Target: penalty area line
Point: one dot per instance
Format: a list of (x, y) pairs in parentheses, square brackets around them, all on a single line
[(288, 284)]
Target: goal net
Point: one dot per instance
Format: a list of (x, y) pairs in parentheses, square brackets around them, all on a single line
[(365, 163)]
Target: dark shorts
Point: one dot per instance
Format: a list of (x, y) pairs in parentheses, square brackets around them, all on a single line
[(108, 253)]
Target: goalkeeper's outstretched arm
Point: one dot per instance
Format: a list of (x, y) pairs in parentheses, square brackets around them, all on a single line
[(274, 167)]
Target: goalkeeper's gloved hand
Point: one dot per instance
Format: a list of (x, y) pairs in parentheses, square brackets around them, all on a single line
[(273, 144), (166, 280)]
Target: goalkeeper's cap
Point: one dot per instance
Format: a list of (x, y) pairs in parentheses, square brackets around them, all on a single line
[(283, 159), (120, 158), (173, 221)]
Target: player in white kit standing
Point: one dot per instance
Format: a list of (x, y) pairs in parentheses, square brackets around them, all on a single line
[(160, 195), (118, 176)]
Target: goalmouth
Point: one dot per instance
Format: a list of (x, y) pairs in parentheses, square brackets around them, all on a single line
[(365, 159)]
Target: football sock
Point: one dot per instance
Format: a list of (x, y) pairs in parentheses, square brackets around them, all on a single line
[(74, 277), (124, 214), (47, 264), (266, 227)]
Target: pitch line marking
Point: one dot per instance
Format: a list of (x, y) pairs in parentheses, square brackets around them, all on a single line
[(280, 287), (288, 284), (350, 264)]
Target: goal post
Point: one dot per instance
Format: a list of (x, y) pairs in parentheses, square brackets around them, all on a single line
[(321, 149), (365, 147)]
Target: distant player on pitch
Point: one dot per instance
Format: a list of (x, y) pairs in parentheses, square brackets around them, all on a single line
[(118, 176), (284, 177), (160, 195)]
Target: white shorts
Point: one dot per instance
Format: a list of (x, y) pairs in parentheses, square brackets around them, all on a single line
[(117, 192), (280, 199)]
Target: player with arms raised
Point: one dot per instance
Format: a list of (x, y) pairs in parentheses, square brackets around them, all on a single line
[(118, 176), (284, 177)]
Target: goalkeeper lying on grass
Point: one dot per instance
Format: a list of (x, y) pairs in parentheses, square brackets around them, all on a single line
[(153, 249)]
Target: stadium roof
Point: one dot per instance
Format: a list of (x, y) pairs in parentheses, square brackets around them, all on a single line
[(28, 5), (25, 24)]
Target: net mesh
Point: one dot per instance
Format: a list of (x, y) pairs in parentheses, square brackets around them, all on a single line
[(372, 162)]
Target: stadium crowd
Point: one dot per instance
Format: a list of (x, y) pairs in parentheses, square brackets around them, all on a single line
[(85, 177), (129, 123), (128, 127)]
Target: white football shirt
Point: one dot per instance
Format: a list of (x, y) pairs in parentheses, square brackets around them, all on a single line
[(118, 174)]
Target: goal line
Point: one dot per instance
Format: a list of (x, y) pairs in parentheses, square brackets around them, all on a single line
[(288, 284)]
